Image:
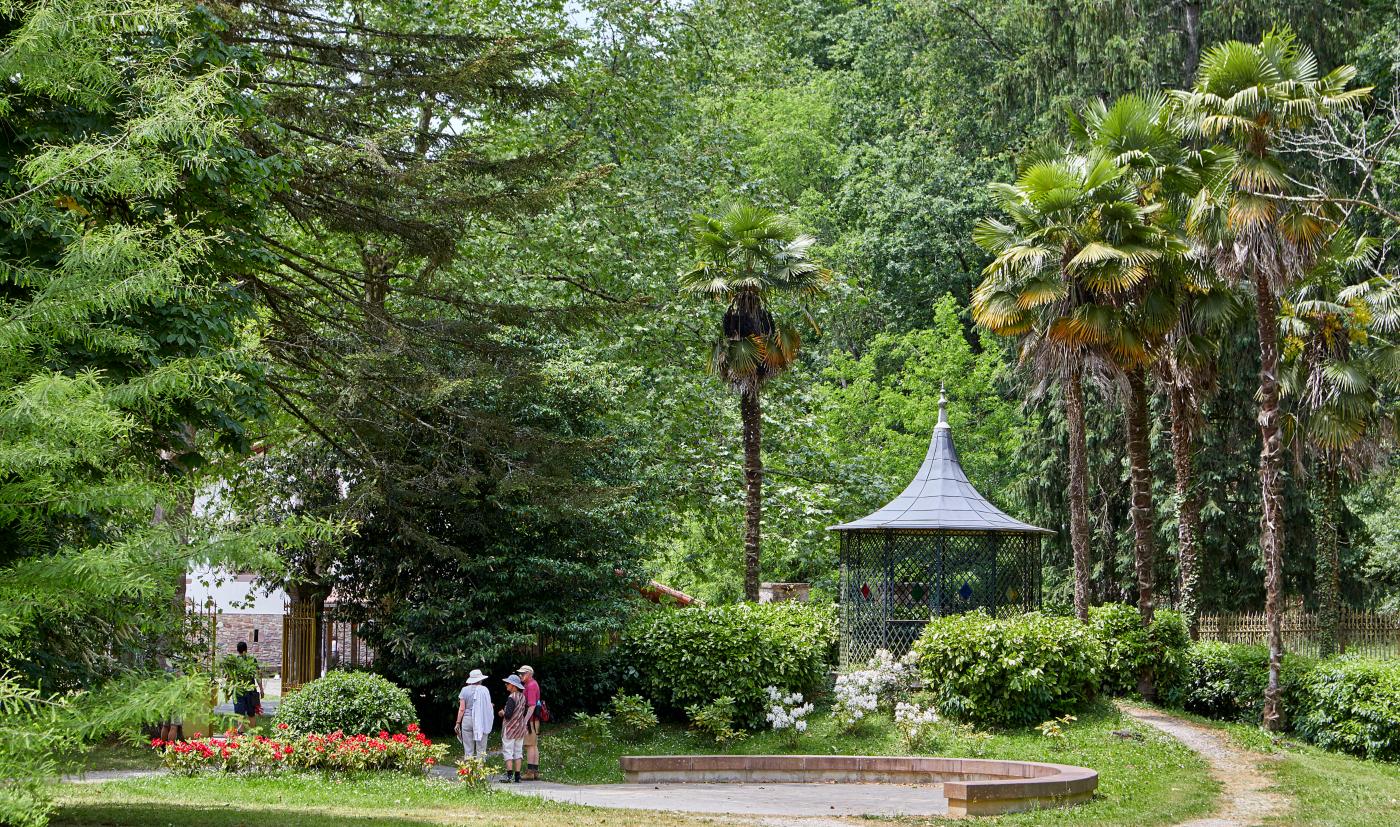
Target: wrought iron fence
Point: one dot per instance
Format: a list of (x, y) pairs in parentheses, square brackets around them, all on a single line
[(315, 641)]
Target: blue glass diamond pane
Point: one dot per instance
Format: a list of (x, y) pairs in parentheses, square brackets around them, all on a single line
[(965, 592)]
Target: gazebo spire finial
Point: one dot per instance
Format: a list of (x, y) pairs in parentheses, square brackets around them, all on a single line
[(942, 406)]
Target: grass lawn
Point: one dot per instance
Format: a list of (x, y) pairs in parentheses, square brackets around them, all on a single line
[(1152, 781), (116, 755), (1329, 790), (314, 801)]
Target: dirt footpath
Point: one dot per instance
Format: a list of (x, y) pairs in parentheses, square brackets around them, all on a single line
[(1246, 798)]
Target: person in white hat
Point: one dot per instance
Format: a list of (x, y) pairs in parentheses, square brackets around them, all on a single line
[(475, 715), (515, 720)]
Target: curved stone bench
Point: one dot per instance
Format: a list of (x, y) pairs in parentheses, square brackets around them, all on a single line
[(973, 786)]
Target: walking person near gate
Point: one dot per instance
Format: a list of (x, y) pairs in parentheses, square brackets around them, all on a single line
[(475, 716), (532, 735)]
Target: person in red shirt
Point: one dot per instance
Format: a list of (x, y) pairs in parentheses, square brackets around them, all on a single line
[(532, 736)]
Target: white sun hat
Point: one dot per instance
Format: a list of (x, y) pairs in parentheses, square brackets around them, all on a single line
[(475, 677)]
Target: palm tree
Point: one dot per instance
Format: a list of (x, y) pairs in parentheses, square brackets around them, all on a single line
[(1337, 363), (1179, 308), (1248, 96), (746, 259), (1135, 131), (1078, 242)]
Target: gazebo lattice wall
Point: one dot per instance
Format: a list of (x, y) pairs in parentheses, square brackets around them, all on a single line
[(892, 582), (938, 548)]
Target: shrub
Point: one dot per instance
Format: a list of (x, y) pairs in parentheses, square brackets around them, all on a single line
[(715, 719), (474, 774), (1128, 647), (593, 729), (1014, 671), (355, 703), (683, 657), (916, 725), (883, 681), (787, 714), (1226, 681), (1352, 705), (632, 718)]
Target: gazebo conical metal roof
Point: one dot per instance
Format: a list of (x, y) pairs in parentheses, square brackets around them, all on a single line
[(938, 548)]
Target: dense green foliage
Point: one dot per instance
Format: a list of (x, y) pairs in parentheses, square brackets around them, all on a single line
[(682, 657), (1226, 681), (1013, 671), (631, 717), (1349, 704), (1352, 705), (355, 703), (425, 259), (1129, 647)]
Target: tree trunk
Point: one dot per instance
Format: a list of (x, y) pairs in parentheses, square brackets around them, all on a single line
[(1078, 499), (1144, 547), (1191, 32), (1329, 586), (753, 489), (1188, 509), (1271, 493)]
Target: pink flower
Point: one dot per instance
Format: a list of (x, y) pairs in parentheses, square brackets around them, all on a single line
[(282, 725)]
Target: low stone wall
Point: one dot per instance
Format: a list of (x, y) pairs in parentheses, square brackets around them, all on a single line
[(973, 786)]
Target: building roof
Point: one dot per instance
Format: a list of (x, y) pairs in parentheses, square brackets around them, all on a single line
[(940, 496)]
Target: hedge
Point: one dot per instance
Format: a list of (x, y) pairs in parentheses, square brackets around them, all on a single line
[(1351, 705), (1129, 647), (1226, 681), (355, 703), (682, 657), (1015, 671)]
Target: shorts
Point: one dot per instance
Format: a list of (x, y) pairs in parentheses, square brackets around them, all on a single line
[(532, 736), (512, 749), (247, 703)]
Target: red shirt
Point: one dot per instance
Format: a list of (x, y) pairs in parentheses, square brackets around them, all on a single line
[(532, 693)]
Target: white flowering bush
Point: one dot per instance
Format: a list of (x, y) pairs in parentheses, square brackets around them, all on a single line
[(883, 680), (787, 713), (917, 724)]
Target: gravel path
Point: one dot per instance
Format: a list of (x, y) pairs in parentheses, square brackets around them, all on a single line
[(1247, 797), (801, 800)]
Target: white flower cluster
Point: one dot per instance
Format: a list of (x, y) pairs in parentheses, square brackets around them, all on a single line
[(914, 722), (859, 693), (787, 711)]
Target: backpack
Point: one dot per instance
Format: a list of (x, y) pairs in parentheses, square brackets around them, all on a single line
[(542, 712)]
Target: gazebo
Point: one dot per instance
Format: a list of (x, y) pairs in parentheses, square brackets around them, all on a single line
[(938, 548)]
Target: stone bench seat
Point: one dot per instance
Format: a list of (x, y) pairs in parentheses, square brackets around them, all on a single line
[(973, 786)]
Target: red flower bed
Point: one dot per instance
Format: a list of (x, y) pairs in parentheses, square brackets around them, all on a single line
[(334, 752)]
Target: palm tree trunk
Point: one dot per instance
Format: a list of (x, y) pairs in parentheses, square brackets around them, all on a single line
[(1078, 499), (1144, 547), (1271, 493), (1188, 509), (1329, 586), (750, 411)]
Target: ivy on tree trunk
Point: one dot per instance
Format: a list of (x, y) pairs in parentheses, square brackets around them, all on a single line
[(750, 411)]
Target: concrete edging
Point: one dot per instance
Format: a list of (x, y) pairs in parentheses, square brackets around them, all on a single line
[(973, 786)]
